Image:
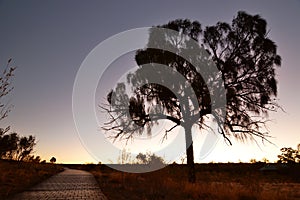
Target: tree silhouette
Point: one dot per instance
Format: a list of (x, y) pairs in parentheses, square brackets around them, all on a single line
[(25, 147), (8, 145), (289, 155), (5, 88), (15, 147), (150, 159), (53, 160), (8, 142), (246, 59)]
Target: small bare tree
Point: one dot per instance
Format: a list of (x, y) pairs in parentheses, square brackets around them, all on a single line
[(5, 88)]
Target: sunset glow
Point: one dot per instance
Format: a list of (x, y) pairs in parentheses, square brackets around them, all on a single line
[(48, 41)]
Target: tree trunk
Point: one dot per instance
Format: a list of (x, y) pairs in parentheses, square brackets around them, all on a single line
[(190, 154)]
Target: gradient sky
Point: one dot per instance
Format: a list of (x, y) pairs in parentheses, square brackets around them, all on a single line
[(48, 41)]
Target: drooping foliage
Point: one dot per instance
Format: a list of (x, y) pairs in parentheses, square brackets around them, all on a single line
[(246, 59)]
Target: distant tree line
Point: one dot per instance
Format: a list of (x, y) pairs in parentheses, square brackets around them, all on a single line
[(147, 158)]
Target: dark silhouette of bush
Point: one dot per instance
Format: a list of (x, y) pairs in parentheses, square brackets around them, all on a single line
[(15, 147), (53, 160)]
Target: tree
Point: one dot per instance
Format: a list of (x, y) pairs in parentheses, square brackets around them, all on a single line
[(53, 160), (8, 145), (246, 59), (150, 159), (265, 160), (124, 157), (14, 147), (5, 88), (7, 142), (36, 159), (289, 155), (25, 147)]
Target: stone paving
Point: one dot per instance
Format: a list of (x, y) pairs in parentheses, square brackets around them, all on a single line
[(69, 184)]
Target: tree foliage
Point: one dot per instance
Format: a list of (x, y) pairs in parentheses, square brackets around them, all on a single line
[(53, 160), (289, 155), (15, 147), (150, 159), (246, 59)]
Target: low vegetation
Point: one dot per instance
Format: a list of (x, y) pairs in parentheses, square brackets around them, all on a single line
[(17, 176), (214, 181)]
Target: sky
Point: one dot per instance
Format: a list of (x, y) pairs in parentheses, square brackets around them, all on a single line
[(49, 40)]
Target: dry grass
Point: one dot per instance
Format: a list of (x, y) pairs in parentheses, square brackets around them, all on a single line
[(214, 182), (18, 176)]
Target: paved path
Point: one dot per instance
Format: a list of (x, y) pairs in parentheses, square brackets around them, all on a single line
[(69, 184)]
